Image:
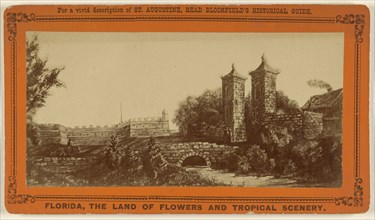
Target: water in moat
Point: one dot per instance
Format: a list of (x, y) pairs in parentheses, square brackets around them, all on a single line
[(232, 179)]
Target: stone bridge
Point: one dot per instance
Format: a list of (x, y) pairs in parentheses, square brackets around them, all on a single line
[(212, 153)]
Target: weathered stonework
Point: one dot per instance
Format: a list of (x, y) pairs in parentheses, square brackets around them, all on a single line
[(148, 127), (62, 165), (99, 135), (91, 135), (176, 153), (263, 90), (312, 124), (233, 95), (52, 134), (306, 124), (264, 106), (292, 121)]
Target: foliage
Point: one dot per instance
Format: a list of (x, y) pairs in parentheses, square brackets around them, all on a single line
[(130, 159), (112, 156), (257, 158), (186, 114), (277, 139), (251, 160), (243, 165), (40, 79), (196, 112), (319, 160), (149, 169), (286, 105), (33, 137), (153, 161)]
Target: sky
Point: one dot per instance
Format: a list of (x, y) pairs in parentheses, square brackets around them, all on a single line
[(149, 72)]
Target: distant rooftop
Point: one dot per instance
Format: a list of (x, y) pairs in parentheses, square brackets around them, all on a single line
[(325, 100)]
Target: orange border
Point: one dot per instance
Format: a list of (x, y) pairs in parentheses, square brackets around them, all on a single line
[(352, 197)]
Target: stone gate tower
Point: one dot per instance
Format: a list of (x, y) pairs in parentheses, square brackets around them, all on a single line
[(263, 90), (233, 95)]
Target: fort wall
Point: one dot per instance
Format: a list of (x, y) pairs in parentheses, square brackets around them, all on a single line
[(148, 128), (99, 135), (52, 134)]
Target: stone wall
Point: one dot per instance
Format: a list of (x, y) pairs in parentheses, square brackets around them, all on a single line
[(307, 124), (213, 153), (294, 122), (62, 164), (312, 124)]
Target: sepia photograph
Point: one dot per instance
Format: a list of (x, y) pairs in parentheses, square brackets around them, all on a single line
[(184, 109), (187, 109)]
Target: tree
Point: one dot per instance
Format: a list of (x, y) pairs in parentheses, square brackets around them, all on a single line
[(112, 155), (40, 79), (186, 114), (286, 105), (196, 112)]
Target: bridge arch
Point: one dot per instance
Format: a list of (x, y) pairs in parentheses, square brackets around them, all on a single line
[(192, 154)]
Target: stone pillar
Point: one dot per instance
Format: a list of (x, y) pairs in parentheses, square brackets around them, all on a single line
[(263, 90), (233, 95)]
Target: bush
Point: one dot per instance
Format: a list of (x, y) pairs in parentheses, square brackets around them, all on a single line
[(319, 160), (289, 169), (152, 160), (32, 135), (250, 160), (112, 156), (257, 158), (243, 165)]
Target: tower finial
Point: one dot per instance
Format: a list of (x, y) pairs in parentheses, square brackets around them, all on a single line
[(233, 66)]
